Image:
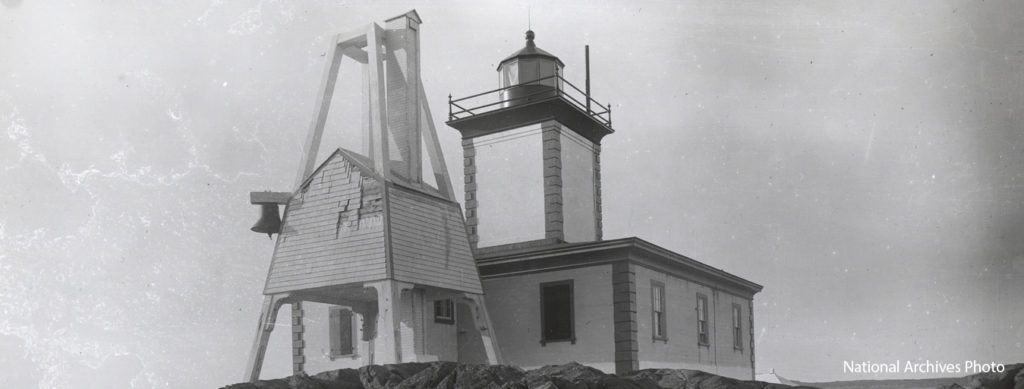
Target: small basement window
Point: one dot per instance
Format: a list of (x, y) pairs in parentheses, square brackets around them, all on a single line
[(444, 311), (557, 321), (342, 332), (702, 320)]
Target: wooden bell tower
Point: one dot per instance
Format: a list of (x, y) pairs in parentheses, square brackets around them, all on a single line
[(365, 231)]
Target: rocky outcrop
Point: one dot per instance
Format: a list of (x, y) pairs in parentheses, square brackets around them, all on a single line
[(1012, 377), (696, 379), (450, 375)]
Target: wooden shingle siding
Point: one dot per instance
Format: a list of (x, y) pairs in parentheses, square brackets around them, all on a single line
[(313, 244), (332, 232), (311, 257), (429, 245), (336, 232), (302, 270)]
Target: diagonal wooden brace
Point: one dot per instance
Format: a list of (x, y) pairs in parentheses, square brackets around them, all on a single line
[(268, 316), (483, 323)]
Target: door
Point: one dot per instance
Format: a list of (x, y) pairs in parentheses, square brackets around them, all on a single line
[(470, 344)]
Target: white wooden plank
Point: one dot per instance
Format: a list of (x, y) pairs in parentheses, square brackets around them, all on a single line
[(306, 253), (433, 247), (328, 231), (430, 267), (339, 277), (355, 53), (419, 221), (402, 94), (325, 283), (332, 256), (355, 38), (317, 246), (467, 285), (298, 242), (324, 267), (427, 279), (427, 210), (435, 270), (323, 104), (321, 274), (414, 227), (378, 114), (329, 205), (328, 236), (327, 267), (323, 214), (433, 146)]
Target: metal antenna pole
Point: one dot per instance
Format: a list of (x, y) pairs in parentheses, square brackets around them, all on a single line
[(587, 55)]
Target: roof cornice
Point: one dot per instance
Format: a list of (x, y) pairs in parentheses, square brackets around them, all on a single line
[(531, 259)]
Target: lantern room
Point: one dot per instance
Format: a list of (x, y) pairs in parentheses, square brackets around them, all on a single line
[(532, 88), (529, 74)]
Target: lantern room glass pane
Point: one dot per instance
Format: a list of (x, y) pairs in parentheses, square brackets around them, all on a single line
[(546, 68), (509, 74), (557, 72), (529, 69), (533, 69)]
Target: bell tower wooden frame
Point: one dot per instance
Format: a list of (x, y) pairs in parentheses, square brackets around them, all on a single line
[(413, 125), (394, 113)]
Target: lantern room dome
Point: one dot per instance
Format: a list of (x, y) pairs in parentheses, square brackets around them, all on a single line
[(531, 51), (530, 74)]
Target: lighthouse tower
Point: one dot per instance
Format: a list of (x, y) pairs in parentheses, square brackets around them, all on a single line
[(559, 290), (532, 155), (374, 258)]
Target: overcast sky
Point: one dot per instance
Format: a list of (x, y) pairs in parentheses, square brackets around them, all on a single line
[(861, 160)]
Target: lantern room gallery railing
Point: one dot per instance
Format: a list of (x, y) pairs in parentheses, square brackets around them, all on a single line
[(493, 100)]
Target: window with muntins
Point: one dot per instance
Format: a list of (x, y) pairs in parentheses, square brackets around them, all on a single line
[(444, 311), (658, 310), (737, 327), (702, 320), (557, 319)]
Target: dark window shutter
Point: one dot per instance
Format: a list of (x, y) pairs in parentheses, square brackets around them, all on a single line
[(341, 332), (346, 333), (557, 312), (335, 325)]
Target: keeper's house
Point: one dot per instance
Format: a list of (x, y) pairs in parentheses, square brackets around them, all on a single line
[(556, 290)]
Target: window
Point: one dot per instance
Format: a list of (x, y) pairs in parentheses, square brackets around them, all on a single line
[(529, 71), (342, 332), (737, 328), (702, 320), (658, 310), (444, 311), (510, 73), (556, 312)]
